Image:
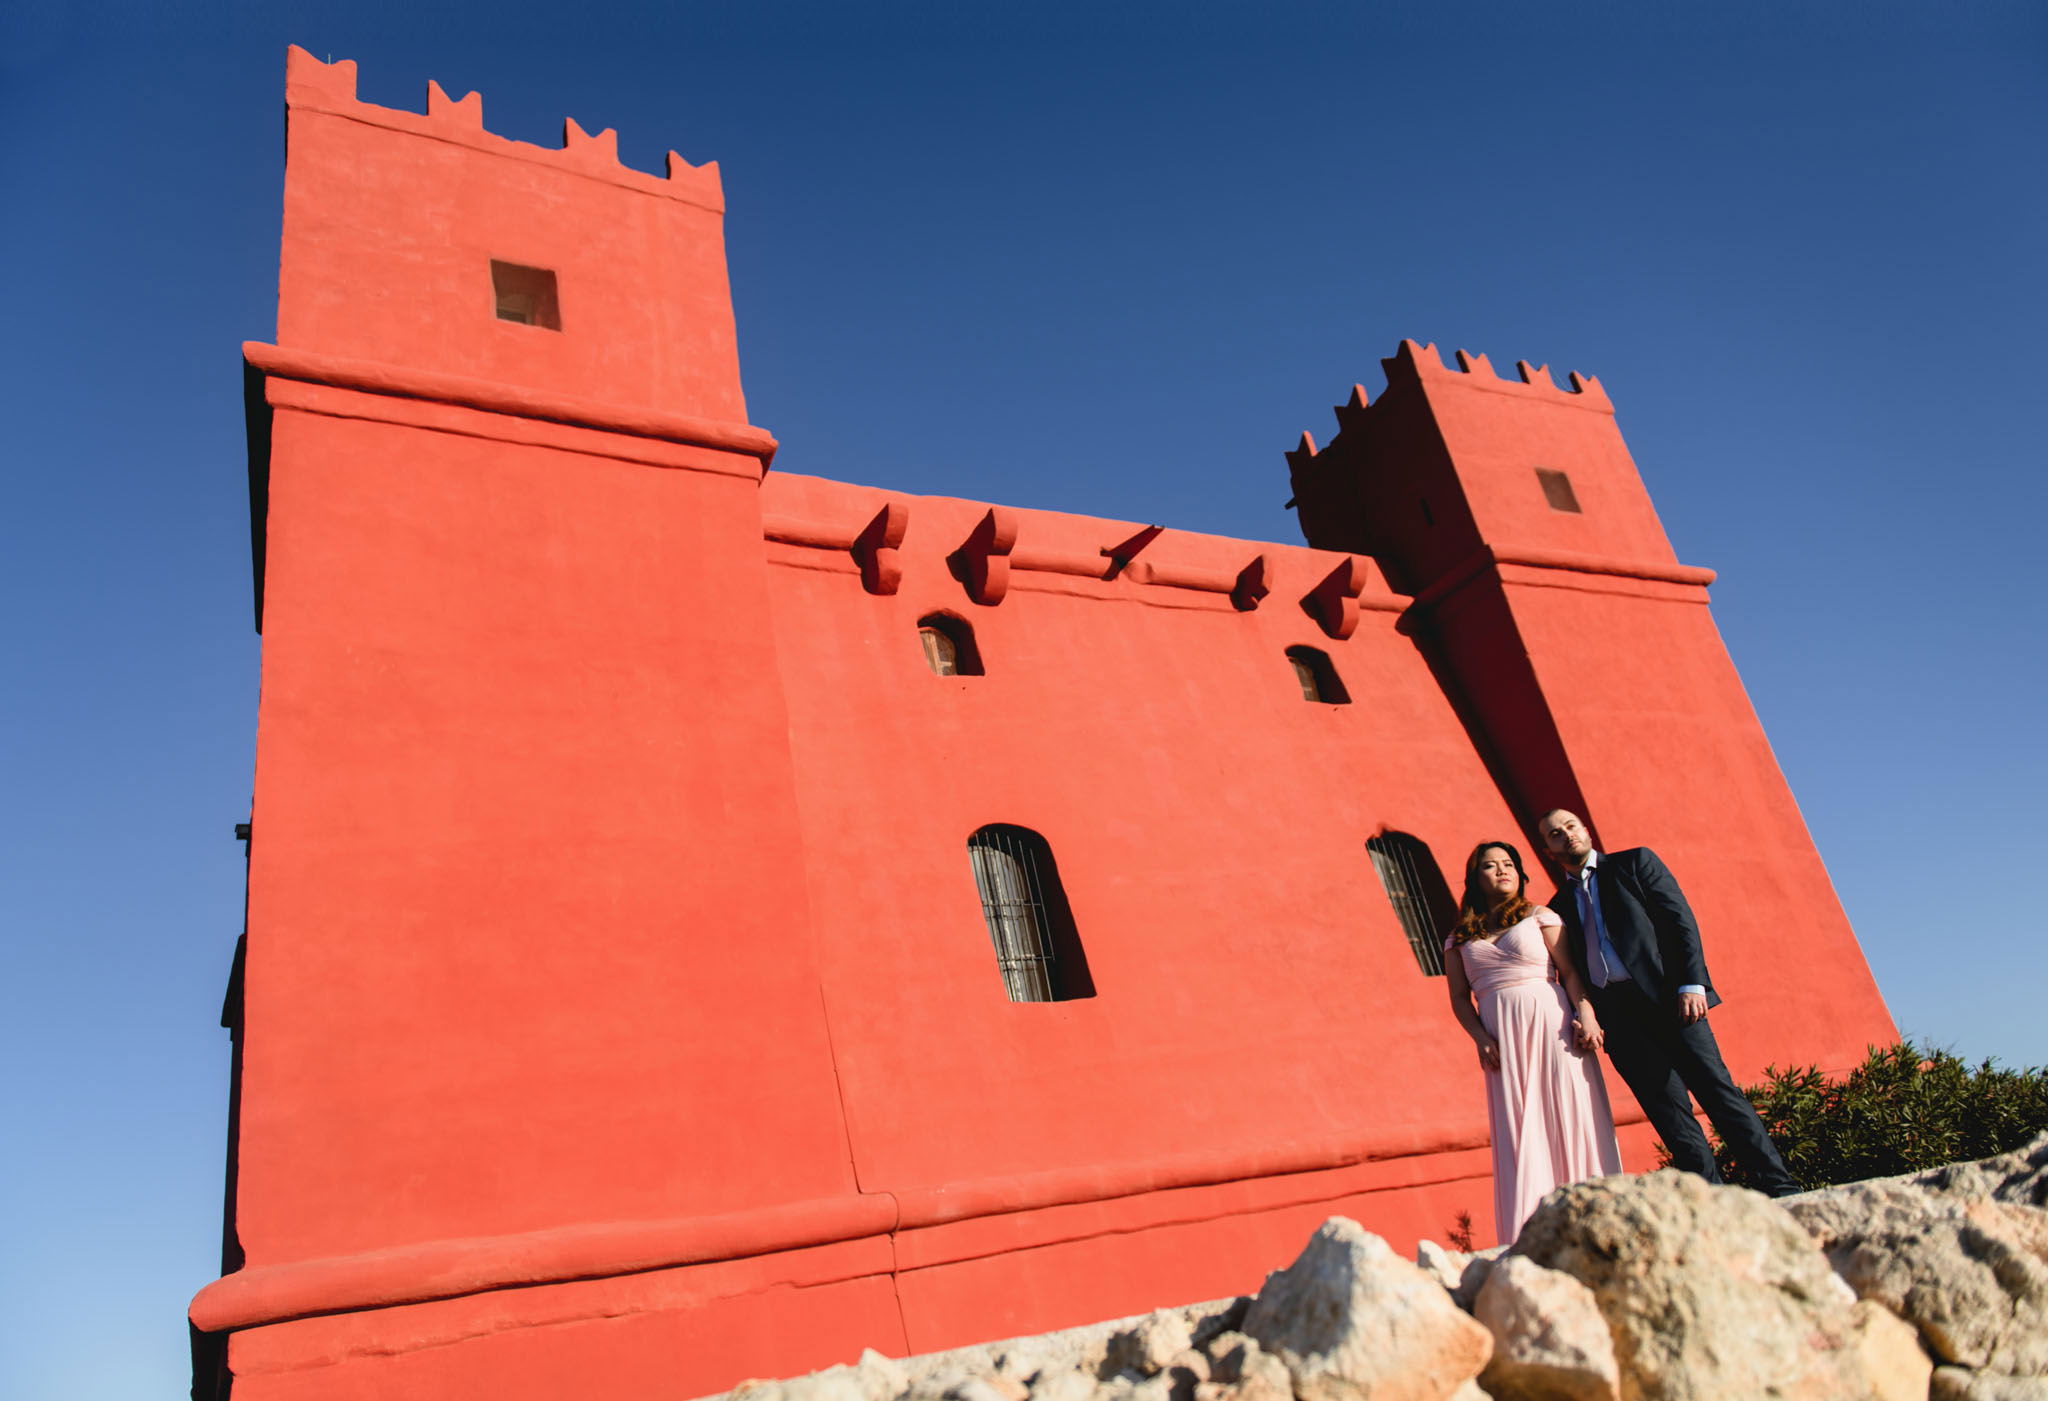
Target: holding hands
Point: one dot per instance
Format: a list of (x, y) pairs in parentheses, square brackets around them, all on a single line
[(1586, 1032)]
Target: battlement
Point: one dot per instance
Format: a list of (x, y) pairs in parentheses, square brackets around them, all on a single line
[(1421, 366), (311, 85), (1413, 363)]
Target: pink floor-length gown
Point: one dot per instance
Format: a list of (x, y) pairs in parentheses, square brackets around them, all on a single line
[(1547, 1104)]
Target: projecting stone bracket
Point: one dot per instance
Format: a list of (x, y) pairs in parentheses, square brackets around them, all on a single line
[(1334, 602), (983, 562), (881, 569)]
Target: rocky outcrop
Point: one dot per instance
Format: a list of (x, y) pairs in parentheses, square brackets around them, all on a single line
[(1550, 1342), (1961, 1253), (1715, 1292), (1352, 1320), (1653, 1288)]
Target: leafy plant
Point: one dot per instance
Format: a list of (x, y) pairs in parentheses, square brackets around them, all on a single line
[(1460, 1234), (1903, 1110)]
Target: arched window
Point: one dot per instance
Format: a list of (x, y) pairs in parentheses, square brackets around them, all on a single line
[(1318, 678), (949, 648), (1421, 900), (1037, 950)]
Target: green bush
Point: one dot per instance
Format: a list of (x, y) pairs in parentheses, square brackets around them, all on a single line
[(1902, 1110)]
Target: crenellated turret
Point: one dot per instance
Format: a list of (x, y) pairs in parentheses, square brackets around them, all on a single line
[(421, 241), (1580, 652)]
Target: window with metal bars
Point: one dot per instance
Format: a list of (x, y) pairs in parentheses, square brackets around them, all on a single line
[(1038, 951), (1317, 676), (1415, 886)]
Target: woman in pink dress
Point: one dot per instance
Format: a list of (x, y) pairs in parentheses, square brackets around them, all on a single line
[(1544, 1097)]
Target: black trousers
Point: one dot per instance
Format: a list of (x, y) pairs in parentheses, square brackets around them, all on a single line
[(1661, 1059)]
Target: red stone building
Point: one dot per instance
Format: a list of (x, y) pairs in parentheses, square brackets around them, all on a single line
[(704, 921)]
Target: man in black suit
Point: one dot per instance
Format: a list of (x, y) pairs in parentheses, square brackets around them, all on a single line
[(1638, 950)]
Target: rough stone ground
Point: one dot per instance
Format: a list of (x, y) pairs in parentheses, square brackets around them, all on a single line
[(1652, 1288)]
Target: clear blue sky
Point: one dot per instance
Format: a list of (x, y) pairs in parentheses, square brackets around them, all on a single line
[(1107, 262)]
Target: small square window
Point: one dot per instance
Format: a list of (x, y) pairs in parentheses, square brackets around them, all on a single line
[(1557, 490), (526, 295)]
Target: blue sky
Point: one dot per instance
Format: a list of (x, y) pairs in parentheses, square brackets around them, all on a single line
[(1110, 259)]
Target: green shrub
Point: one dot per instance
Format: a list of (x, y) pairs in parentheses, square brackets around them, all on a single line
[(1902, 1110)]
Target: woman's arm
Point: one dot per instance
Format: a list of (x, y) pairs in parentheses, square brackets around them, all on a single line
[(1465, 1012), (1584, 1023)]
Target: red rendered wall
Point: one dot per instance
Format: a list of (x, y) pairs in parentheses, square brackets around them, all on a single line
[(618, 1011), (1210, 827)]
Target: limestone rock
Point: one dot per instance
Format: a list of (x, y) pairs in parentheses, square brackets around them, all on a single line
[(1240, 1370), (1549, 1341), (1885, 1350), (833, 1384), (1148, 1344), (1031, 1365), (1440, 1263), (1063, 1386), (1970, 1274), (2018, 1178), (1962, 1384), (1715, 1292), (1353, 1321), (979, 1389)]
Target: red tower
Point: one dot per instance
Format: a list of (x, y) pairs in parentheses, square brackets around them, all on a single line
[(1552, 607), (703, 921)]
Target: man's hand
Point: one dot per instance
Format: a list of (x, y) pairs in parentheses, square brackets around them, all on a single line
[(1692, 1007)]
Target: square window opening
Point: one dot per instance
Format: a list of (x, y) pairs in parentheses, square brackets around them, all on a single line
[(526, 295), (1557, 490)]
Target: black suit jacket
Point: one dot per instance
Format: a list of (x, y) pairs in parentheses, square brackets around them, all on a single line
[(1648, 922)]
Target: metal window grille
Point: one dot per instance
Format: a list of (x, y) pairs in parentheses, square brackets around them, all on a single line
[(1010, 866), (1399, 860)]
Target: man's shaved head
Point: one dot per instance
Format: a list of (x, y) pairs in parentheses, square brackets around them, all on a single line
[(1565, 836)]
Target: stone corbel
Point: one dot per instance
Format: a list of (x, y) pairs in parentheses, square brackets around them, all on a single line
[(1334, 602), (1254, 582), (983, 562), (875, 549)]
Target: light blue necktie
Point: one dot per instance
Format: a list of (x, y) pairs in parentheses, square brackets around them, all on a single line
[(1601, 956)]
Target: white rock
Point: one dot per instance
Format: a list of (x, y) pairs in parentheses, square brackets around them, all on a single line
[(1352, 1320), (1063, 1386), (1549, 1341), (1441, 1263), (1962, 1384), (1716, 1294), (1240, 1370), (1150, 1343), (1971, 1275)]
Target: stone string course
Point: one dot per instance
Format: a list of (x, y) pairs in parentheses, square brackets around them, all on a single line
[(1653, 1288)]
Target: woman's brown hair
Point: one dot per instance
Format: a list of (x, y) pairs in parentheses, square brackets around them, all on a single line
[(1479, 913)]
